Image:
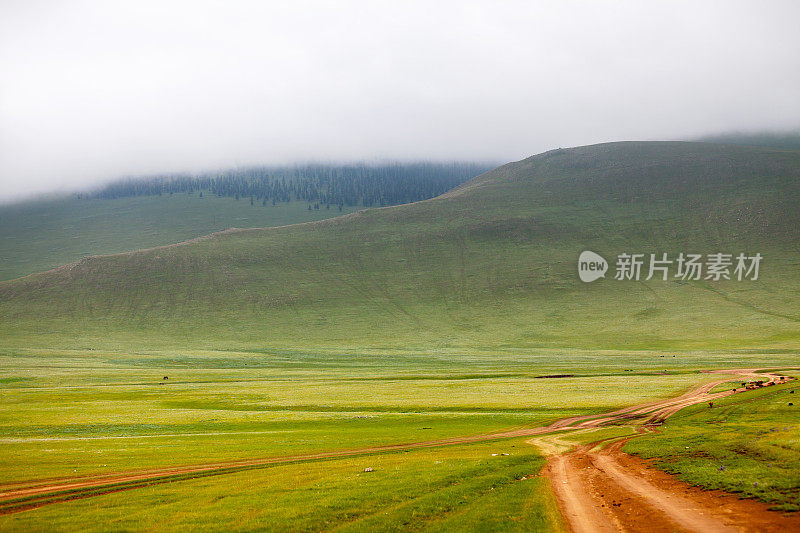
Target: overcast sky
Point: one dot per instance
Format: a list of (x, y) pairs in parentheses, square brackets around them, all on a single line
[(93, 90)]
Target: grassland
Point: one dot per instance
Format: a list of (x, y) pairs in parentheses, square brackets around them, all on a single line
[(489, 266), (38, 235), (747, 444), (455, 488), (403, 324), (73, 414), (87, 413)]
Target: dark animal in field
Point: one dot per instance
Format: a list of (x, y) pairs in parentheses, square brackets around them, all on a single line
[(166, 377), (710, 405)]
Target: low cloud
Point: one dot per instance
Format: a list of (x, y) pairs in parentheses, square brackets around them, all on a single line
[(94, 90)]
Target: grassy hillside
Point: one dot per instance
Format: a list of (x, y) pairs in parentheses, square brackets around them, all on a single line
[(43, 234), (489, 266), (142, 212)]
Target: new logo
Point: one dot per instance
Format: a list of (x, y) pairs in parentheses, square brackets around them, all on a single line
[(591, 266)]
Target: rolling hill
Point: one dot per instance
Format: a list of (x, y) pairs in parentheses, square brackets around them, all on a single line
[(137, 213), (488, 266), (41, 234)]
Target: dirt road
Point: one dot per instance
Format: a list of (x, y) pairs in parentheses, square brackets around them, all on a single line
[(602, 489), (608, 490), (15, 497)]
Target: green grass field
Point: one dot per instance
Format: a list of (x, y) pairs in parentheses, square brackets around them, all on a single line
[(72, 414), (38, 235), (447, 489), (87, 413), (747, 444)]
